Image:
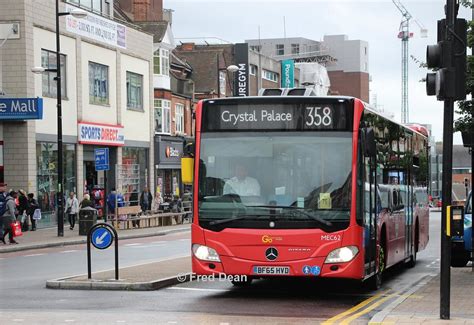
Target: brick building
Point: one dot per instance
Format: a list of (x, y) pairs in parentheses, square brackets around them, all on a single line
[(172, 92)]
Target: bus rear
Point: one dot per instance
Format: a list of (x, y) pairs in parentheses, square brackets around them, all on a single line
[(274, 190)]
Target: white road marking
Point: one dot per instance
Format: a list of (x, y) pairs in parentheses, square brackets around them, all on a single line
[(33, 255), (69, 251), (184, 239), (18, 320), (172, 322), (198, 289), (69, 320), (121, 321), (134, 244), (158, 242), (149, 246)]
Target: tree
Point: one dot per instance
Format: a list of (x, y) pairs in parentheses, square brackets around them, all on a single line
[(466, 107)]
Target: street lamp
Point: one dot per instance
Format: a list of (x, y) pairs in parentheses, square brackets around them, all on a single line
[(77, 13), (232, 69)]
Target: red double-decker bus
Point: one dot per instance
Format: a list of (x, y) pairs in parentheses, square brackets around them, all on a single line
[(306, 186)]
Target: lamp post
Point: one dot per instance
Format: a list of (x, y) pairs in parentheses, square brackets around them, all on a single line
[(232, 69), (77, 13)]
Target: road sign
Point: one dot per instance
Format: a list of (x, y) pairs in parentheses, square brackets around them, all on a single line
[(101, 159), (102, 238)]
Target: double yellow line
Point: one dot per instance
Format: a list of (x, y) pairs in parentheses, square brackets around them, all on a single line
[(359, 310)]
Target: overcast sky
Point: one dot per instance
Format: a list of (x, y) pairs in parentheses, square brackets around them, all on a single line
[(375, 21)]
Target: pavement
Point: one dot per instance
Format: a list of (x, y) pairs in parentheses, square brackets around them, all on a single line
[(144, 277), (421, 305), (43, 238)]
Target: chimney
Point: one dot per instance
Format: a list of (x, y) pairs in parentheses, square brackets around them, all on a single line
[(187, 46), (147, 10)]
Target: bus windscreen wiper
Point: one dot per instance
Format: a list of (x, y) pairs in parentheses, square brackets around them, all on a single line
[(299, 210), (239, 217)]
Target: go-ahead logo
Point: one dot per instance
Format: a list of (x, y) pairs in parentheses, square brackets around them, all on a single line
[(271, 254), (266, 239)]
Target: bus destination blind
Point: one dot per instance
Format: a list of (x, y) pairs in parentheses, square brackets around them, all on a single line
[(300, 117)]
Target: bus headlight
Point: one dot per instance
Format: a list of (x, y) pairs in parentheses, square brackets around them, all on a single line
[(205, 253), (342, 255)]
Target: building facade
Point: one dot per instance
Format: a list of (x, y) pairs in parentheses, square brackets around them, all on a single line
[(106, 84), (346, 60), (172, 95)]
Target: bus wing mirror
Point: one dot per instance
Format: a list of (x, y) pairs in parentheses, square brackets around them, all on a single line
[(370, 143), (187, 170)]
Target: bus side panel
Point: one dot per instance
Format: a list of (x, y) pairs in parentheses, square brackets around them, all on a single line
[(197, 155)]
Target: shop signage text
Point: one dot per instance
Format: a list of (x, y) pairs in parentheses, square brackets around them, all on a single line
[(21, 108), (171, 152), (241, 77), (97, 28), (287, 72), (91, 133)]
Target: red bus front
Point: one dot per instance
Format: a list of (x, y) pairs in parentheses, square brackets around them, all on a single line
[(274, 190)]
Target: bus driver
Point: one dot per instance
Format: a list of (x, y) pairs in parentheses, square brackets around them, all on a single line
[(241, 184)]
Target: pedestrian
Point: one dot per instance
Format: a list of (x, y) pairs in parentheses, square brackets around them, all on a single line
[(3, 206), (86, 202), (9, 217), (146, 200), (157, 201), (72, 208), (23, 209), (32, 206)]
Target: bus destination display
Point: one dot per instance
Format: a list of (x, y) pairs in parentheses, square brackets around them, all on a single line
[(276, 117)]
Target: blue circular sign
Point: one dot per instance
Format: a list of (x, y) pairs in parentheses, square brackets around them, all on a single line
[(102, 238)]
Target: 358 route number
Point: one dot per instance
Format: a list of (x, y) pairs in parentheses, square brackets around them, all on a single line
[(318, 116)]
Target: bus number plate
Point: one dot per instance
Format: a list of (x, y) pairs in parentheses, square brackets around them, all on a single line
[(271, 270)]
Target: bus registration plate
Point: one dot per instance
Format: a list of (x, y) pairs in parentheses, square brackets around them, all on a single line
[(271, 270)]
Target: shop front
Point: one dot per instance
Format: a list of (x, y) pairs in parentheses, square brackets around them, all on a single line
[(168, 153), (94, 136)]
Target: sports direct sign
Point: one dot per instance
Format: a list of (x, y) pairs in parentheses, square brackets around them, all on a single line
[(93, 133)]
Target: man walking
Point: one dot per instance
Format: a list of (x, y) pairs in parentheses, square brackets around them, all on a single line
[(145, 203), (3, 206)]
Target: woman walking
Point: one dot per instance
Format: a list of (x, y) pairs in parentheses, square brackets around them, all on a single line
[(72, 208)]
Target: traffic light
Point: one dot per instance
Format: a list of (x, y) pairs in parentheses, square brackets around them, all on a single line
[(449, 57)]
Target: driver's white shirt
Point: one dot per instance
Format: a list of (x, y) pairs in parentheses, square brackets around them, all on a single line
[(247, 187)]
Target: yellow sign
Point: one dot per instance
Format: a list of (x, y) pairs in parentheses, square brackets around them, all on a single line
[(325, 201)]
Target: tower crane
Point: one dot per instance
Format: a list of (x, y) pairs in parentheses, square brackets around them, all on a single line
[(405, 34)]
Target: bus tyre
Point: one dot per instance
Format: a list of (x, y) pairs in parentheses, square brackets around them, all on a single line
[(412, 262), (375, 282), (242, 282)]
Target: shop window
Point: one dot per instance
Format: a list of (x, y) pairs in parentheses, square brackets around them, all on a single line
[(49, 85), (134, 91), (179, 116), (161, 62), (162, 116), (47, 176), (98, 83)]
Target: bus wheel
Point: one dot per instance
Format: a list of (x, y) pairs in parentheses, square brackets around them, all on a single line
[(375, 282), (412, 262), (244, 282)]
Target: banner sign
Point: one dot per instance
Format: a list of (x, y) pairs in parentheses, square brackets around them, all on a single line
[(97, 28), (21, 108), (287, 73), (94, 133), (241, 76)]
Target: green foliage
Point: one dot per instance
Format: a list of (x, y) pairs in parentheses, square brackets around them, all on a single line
[(466, 107)]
